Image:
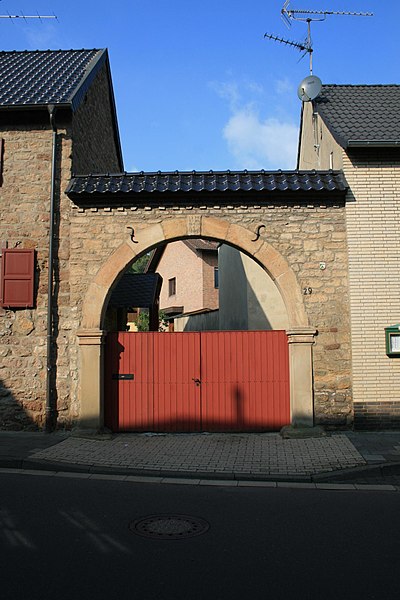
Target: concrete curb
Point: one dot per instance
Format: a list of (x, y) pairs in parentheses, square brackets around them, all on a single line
[(379, 470), (333, 487)]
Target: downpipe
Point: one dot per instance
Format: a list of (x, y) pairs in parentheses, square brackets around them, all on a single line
[(50, 408)]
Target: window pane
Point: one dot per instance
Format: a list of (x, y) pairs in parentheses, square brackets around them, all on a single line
[(216, 279), (172, 286)]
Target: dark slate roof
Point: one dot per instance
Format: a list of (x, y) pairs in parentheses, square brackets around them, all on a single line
[(201, 245), (42, 77), (159, 187), (361, 115), (136, 290)]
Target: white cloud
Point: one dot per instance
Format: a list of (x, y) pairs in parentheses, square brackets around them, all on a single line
[(233, 92), (284, 86), (261, 143), (228, 91), (42, 35), (258, 142)]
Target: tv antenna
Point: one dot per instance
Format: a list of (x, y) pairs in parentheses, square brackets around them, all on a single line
[(311, 86), (307, 16), (292, 14), (24, 17)]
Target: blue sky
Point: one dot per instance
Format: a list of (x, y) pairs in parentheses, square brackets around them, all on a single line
[(196, 84)]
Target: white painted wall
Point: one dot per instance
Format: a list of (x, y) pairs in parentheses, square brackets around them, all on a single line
[(248, 298)]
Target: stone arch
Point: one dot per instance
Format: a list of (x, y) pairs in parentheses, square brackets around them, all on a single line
[(91, 337), (148, 237)]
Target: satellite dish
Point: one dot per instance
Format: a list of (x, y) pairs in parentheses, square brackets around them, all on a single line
[(309, 88)]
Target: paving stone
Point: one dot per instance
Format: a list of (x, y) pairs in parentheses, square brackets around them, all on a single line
[(180, 480), (378, 488), (249, 483), (374, 457), (251, 453)]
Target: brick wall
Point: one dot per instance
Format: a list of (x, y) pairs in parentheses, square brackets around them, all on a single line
[(373, 217)]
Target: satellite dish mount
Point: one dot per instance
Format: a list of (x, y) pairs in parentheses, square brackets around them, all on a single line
[(308, 87)]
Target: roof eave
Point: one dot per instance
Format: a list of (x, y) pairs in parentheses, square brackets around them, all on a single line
[(115, 120), (91, 199), (33, 107), (300, 135), (79, 94), (373, 143)]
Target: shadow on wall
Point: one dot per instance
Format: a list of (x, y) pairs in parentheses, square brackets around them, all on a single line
[(239, 306), (13, 416), (257, 317)]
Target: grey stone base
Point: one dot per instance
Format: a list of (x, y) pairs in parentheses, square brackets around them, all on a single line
[(376, 415)]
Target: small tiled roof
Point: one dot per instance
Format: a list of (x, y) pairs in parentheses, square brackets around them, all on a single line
[(136, 290), (361, 115), (159, 186), (202, 245), (42, 77)]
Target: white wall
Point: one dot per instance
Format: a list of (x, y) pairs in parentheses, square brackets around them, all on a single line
[(248, 298)]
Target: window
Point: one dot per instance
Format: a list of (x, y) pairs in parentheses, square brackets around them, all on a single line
[(216, 278), (17, 278), (172, 286)]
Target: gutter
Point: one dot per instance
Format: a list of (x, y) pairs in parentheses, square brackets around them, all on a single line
[(373, 143), (34, 107), (50, 407)]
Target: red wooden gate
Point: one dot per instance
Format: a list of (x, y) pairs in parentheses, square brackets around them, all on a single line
[(197, 381)]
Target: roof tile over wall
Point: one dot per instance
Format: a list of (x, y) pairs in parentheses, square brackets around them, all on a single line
[(43, 77), (361, 113)]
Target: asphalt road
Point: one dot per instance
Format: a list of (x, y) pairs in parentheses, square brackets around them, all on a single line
[(70, 538)]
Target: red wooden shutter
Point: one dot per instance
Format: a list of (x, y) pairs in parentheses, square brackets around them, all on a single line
[(17, 278)]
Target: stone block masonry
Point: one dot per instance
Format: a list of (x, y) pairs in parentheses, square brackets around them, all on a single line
[(25, 194), (24, 220), (305, 236)]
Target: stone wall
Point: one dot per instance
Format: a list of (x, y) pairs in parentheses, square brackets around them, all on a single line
[(25, 206), (25, 220), (313, 241), (306, 236)]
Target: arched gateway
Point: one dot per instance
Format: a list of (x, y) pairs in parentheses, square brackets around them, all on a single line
[(282, 220)]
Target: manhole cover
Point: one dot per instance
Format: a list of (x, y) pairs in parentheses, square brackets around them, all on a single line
[(169, 527)]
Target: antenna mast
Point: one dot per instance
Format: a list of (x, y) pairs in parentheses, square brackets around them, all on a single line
[(308, 16), (28, 17), (24, 17)]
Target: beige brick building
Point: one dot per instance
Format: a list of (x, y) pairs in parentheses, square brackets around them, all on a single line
[(356, 128)]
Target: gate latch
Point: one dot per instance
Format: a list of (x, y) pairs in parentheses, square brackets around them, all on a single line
[(123, 376), (197, 381)]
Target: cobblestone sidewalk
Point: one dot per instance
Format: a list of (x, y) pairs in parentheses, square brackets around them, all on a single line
[(235, 455)]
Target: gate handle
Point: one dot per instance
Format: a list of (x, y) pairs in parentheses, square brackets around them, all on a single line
[(197, 381)]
